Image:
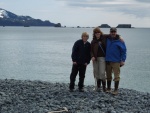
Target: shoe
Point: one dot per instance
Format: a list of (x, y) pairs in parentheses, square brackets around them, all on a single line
[(115, 92), (81, 90), (71, 90), (94, 88), (99, 83), (104, 90), (108, 90), (98, 89)]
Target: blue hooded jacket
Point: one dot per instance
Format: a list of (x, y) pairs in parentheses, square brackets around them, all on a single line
[(115, 50)]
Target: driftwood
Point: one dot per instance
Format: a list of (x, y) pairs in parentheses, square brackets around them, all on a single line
[(65, 109)]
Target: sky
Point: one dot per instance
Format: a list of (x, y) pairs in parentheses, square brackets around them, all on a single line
[(84, 13)]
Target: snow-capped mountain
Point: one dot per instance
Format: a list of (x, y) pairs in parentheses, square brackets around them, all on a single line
[(3, 14), (6, 14), (10, 19)]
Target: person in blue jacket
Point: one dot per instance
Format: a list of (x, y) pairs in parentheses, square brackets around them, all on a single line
[(115, 58), (81, 58)]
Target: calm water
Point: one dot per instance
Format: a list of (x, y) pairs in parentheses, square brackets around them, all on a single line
[(44, 53)]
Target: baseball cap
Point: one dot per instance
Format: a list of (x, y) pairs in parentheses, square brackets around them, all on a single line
[(113, 29)]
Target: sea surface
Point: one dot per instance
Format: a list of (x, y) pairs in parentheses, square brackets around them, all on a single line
[(44, 53)]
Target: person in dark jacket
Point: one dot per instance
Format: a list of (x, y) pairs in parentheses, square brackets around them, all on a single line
[(81, 58), (115, 58), (98, 53), (98, 50)]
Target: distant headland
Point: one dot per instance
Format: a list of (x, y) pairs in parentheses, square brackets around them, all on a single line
[(119, 26), (108, 26), (10, 19)]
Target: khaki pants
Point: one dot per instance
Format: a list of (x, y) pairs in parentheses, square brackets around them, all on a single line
[(99, 67), (115, 68)]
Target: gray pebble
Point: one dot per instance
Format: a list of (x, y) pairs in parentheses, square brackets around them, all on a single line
[(26, 96)]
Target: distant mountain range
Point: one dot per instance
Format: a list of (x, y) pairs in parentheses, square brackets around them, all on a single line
[(10, 19)]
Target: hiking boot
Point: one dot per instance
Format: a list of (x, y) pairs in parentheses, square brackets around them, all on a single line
[(94, 88), (108, 84), (98, 89), (104, 85), (116, 85), (115, 92), (71, 90), (81, 90), (99, 83), (108, 90), (104, 89)]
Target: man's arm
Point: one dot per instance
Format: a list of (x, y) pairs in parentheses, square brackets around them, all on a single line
[(74, 52), (118, 36), (89, 54), (123, 53), (121, 39), (92, 53)]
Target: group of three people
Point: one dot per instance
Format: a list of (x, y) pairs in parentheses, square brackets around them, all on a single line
[(108, 54)]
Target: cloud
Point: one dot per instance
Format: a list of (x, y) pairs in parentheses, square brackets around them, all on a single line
[(148, 1), (1, 4), (138, 8)]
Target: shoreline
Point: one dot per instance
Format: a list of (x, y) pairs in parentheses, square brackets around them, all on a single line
[(42, 97)]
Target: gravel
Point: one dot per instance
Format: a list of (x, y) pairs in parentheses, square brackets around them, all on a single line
[(25, 96)]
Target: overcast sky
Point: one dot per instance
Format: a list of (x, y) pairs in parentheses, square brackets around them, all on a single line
[(83, 13)]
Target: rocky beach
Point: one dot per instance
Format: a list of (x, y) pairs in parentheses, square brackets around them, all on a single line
[(25, 96)]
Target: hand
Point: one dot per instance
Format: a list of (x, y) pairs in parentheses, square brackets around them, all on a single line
[(74, 63), (100, 42), (85, 64), (122, 63), (121, 39), (93, 58)]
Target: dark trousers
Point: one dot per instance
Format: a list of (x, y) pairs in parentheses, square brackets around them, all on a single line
[(81, 68)]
